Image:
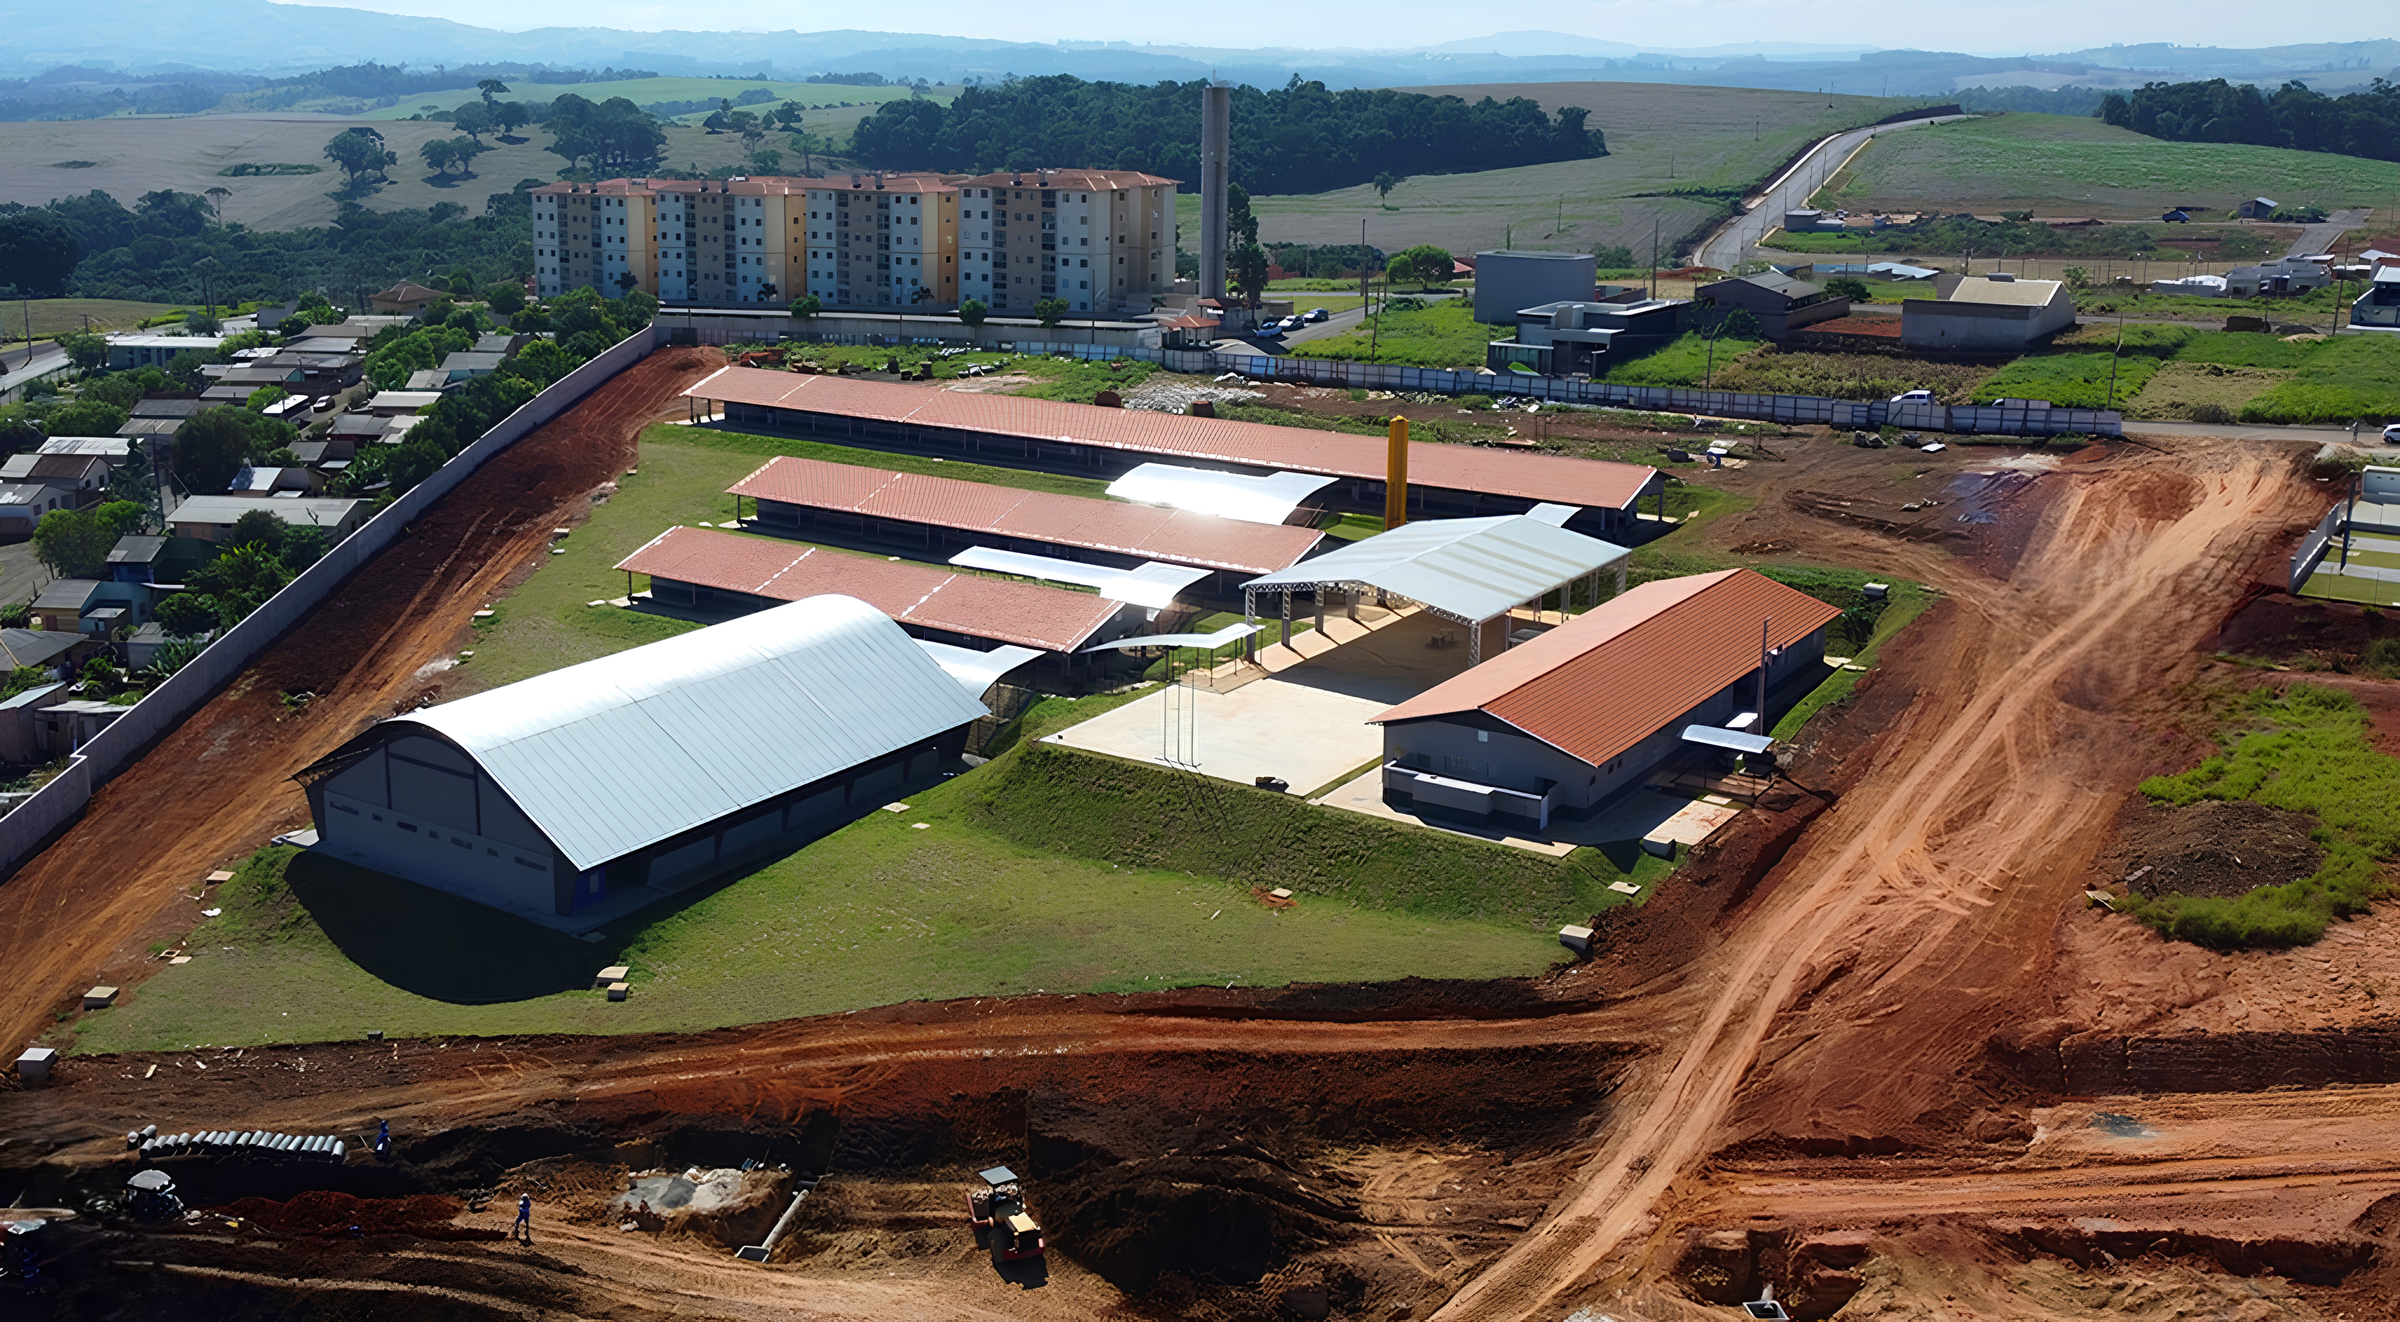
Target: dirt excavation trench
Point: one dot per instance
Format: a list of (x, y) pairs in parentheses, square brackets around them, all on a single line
[(1869, 1048)]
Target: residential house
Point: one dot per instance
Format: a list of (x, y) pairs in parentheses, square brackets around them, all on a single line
[(22, 505), (399, 403), (251, 480), (40, 649), (161, 415), (60, 607), (323, 373), (1806, 220), (2258, 208), (1564, 339), (1780, 303), (2378, 309), (2283, 276), (504, 343), (160, 562), (406, 298), (1987, 314), (129, 350), (326, 457), (22, 729), (85, 475), (210, 518), (468, 364)]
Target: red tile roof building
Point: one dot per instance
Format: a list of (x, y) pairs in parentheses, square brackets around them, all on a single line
[(1445, 480), (942, 513), (700, 569), (1588, 710)]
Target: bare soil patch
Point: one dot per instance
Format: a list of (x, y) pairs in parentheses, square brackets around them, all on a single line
[(2212, 848)]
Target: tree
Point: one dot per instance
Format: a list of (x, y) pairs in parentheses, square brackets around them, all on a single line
[(37, 252), (263, 396), (84, 417), (73, 543), (490, 87), (1050, 311), (185, 614), (972, 312), (216, 195), (2077, 278), (124, 518), (806, 306), (1386, 182), (506, 298), (1240, 226), (767, 160), (213, 443), (1739, 325), (83, 350), (511, 116), (440, 154), (1426, 264), (1400, 269), (475, 119), (787, 116), (240, 579), (1849, 287), (360, 152), (1248, 268), (132, 482), (257, 527)]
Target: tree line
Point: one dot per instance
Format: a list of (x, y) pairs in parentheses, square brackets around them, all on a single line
[(1298, 138), (2354, 124)]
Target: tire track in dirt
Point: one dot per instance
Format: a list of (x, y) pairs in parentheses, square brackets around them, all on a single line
[(1919, 866), (218, 786)]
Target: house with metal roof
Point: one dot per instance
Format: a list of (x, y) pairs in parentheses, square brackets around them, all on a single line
[(1996, 313), (1589, 710), (1780, 303), (581, 795)]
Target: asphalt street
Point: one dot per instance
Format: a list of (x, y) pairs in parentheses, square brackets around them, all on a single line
[(1731, 245)]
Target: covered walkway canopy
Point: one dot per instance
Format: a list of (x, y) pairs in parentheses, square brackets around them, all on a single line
[(1472, 571)]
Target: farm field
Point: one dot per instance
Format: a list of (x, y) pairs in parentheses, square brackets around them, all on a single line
[(2055, 165), (130, 157), (1661, 139), (646, 91), (57, 316)]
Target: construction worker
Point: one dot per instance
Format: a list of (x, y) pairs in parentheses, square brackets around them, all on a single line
[(523, 1229), (383, 1140)]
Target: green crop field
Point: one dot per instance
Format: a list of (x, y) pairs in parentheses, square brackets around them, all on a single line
[(2055, 165), (1707, 143)]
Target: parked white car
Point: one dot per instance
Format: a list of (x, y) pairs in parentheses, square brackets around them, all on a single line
[(1913, 397)]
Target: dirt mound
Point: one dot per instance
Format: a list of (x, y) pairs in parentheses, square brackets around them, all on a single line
[(323, 1212), (2211, 848)]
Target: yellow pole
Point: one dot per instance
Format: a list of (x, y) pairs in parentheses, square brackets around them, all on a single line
[(1395, 477)]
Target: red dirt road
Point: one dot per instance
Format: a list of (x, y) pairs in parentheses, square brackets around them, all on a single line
[(219, 786)]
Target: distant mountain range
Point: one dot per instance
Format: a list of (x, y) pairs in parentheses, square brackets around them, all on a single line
[(255, 36)]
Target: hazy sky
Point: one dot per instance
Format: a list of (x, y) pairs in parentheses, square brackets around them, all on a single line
[(2012, 27)]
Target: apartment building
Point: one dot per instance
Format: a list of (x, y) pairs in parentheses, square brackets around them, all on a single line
[(881, 240), (1101, 240)]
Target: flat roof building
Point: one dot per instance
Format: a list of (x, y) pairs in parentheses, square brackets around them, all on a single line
[(1444, 480), (581, 795), (1987, 314), (210, 518), (942, 515), (1587, 711)]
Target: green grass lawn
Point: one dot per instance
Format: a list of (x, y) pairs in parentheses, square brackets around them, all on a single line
[(2070, 380), (681, 479), (2308, 750), (2061, 165), (1684, 361), (1048, 869), (1443, 334), (2352, 376)]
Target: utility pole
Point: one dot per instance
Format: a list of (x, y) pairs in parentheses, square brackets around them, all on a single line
[(1654, 256), (2113, 355)]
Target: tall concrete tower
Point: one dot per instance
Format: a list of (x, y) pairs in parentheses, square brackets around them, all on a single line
[(1216, 154)]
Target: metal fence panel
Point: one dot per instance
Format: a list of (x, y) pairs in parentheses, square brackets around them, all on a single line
[(2312, 547), (108, 753)]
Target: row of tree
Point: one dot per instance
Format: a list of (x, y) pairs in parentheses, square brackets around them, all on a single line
[(2355, 124), (169, 248), (1298, 138)]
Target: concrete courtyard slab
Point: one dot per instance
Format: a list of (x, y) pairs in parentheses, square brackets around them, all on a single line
[(1644, 813), (1306, 736)]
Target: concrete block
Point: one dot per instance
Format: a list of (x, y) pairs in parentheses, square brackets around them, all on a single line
[(1281, 892), (617, 990), (1577, 939), (219, 875), (1662, 846), (613, 973), (1876, 591), (99, 998), (33, 1066)]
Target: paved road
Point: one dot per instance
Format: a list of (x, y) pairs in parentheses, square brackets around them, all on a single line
[(2322, 238), (1731, 244), (2367, 433), (45, 358)]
